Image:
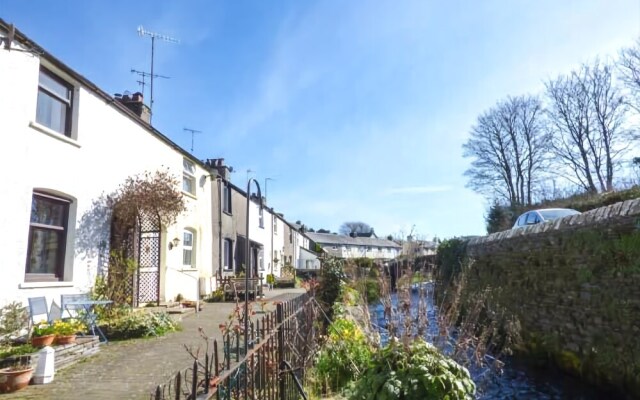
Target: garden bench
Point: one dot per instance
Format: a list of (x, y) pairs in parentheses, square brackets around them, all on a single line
[(234, 287)]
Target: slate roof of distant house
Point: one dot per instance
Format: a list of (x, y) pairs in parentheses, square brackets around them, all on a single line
[(426, 244), (331, 239)]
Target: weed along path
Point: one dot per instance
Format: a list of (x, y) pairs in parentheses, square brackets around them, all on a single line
[(131, 369)]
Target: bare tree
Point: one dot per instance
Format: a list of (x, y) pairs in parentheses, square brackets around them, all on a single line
[(509, 148), (348, 228), (629, 67), (586, 113)]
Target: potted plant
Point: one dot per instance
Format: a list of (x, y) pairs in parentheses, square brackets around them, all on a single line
[(16, 372), (17, 375), (66, 330), (42, 334)]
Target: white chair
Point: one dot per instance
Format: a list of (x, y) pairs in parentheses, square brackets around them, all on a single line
[(38, 310)]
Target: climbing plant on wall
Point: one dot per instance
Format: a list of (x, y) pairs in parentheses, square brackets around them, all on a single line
[(157, 194)]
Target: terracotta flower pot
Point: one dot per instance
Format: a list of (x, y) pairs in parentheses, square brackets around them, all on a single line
[(10, 381), (41, 341), (66, 339)]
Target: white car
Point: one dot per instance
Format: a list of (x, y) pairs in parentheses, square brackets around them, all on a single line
[(538, 216)]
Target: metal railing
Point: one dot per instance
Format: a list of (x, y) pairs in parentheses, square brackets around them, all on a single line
[(281, 348)]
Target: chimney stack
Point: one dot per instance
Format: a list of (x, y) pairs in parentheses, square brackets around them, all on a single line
[(217, 166), (136, 104)]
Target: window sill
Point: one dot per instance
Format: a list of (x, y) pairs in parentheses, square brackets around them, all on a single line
[(53, 134), (228, 213), (39, 285), (189, 269), (193, 196)]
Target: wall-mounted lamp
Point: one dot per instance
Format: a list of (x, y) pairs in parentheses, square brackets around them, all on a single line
[(174, 243)]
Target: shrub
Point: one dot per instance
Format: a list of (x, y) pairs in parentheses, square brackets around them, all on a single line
[(350, 296), (415, 372), (331, 277), (22, 349), (131, 324), (344, 356), (373, 290), (13, 320), (215, 296), (271, 279)]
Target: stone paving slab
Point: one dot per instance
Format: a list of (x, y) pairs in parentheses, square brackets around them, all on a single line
[(132, 369)]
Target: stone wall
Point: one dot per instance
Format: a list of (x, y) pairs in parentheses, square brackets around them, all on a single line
[(574, 287)]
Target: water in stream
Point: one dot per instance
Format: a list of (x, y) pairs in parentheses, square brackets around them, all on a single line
[(517, 380)]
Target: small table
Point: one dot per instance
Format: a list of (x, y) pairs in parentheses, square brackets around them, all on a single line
[(88, 317)]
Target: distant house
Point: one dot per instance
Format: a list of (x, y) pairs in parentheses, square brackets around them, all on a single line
[(342, 246), (298, 250), (416, 248)]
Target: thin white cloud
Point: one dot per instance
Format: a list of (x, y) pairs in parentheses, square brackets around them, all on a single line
[(418, 189)]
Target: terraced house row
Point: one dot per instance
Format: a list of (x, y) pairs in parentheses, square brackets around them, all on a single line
[(67, 143)]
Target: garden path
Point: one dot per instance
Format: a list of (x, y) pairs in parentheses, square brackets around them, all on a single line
[(132, 369)]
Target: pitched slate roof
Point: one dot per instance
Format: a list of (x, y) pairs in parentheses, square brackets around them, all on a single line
[(342, 240)]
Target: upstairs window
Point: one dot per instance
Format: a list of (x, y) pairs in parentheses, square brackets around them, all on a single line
[(55, 101), (226, 198), (188, 177), (47, 238), (261, 219), (188, 246), (275, 225)]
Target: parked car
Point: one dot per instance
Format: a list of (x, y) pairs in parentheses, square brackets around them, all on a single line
[(538, 216)]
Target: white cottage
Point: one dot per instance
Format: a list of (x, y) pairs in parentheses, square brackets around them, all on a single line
[(65, 144)]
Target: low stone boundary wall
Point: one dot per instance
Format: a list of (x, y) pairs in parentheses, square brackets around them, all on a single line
[(574, 287), (68, 354)]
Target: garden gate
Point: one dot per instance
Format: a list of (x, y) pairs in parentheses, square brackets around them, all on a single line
[(146, 279)]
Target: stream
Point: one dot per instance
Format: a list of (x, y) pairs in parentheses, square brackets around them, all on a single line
[(518, 380)]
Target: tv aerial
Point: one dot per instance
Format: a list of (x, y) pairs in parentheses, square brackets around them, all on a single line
[(154, 35)]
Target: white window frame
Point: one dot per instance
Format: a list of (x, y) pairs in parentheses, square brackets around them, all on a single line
[(189, 248), (189, 175), (64, 263), (68, 102)]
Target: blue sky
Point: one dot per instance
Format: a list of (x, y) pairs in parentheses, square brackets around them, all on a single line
[(357, 109)]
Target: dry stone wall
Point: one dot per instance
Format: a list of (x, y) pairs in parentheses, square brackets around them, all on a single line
[(574, 286)]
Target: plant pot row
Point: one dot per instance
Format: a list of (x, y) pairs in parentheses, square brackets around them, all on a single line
[(47, 340)]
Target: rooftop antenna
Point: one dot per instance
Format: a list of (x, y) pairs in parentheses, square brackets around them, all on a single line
[(144, 75), (153, 36), (193, 133)]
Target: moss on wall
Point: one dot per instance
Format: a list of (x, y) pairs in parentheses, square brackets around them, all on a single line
[(574, 287)]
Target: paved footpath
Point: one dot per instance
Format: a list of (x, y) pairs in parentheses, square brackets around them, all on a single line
[(132, 369)]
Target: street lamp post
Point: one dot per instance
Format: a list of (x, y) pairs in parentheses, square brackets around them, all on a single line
[(247, 263)]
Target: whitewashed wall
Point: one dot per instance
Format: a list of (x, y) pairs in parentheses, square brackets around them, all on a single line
[(110, 146)]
